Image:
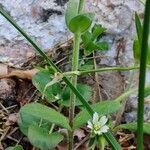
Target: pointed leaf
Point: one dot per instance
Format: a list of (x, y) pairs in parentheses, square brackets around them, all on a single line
[(97, 30), (133, 127), (102, 46), (138, 27), (33, 113), (102, 108), (136, 50), (41, 139)]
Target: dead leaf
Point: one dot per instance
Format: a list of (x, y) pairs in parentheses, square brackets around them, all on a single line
[(7, 72)]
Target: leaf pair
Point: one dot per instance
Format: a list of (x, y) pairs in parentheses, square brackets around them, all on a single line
[(76, 20), (35, 121), (90, 40), (55, 91)]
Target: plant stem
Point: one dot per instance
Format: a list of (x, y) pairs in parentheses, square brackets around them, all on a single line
[(144, 51), (106, 69), (75, 64)]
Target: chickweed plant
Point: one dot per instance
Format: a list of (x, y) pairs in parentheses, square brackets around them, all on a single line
[(40, 123)]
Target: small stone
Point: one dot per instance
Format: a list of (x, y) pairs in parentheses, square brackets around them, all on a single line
[(7, 89), (12, 119)]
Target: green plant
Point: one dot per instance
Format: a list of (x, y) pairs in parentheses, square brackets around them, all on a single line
[(38, 121), (142, 52)]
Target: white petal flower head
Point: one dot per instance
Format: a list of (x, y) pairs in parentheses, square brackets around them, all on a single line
[(98, 124)]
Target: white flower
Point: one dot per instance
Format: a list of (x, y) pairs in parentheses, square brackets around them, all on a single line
[(98, 124)]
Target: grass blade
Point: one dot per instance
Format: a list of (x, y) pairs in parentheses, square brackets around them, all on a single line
[(112, 141), (138, 27), (144, 52)]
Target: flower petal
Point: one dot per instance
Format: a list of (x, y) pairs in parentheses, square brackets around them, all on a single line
[(95, 118), (104, 129), (90, 125), (103, 120), (99, 132)]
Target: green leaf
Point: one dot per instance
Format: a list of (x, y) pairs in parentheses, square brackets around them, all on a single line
[(88, 65), (102, 46), (41, 139), (102, 108), (33, 113), (90, 40), (17, 147), (97, 30), (112, 141), (80, 24), (85, 90), (133, 127), (136, 50), (138, 27), (41, 79), (72, 10)]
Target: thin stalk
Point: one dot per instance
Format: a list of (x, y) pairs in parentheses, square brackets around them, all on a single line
[(142, 76), (107, 69), (75, 64)]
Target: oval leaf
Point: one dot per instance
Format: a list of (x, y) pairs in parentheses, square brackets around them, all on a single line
[(33, 113), (17, 147), (80, 24), (41, 79), (102, 108), (41, 139)]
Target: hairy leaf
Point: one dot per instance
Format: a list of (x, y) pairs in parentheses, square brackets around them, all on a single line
[(102, 108), (34, 113), (133, 127), (41, 79), (41, 139)]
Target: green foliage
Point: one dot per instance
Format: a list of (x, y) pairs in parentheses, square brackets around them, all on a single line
[(90, 40), (85, 90), (41, 139), (110, 138), (102, 108), (41, 79), (34, 113), (17, 147), (80, 24), (87, 65), (40, 115), (133, 127), (138, 41), (72, 10), (76, 20)]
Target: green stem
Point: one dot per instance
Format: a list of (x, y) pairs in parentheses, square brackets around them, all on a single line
[(75, 64), (144, 51), (103, 70)]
